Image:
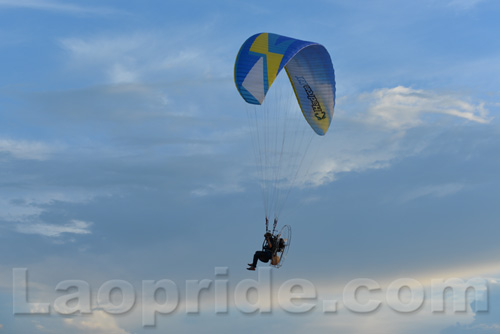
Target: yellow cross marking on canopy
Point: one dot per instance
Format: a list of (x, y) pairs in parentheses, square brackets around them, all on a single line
[(273, 60)]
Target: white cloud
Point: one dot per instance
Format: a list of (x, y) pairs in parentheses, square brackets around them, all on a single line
[(120, 74), (484, 322), (381, 136), (42, 328), (52, 230), (212, 189), (181, 58), (440, 190), (120, 59), (22, 205), (26, 150), (464, 4), (362, 156), (94, 50), (55, 6), (98, 323), (130, 58), (403, 107), (142, 56), (344, 151)]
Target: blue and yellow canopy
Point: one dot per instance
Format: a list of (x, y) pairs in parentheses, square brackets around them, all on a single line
[(309, 68)]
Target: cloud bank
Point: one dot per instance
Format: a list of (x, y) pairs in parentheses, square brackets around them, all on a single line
[(52, 230)]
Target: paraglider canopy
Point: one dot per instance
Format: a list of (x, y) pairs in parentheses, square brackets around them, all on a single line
[(309, 68)]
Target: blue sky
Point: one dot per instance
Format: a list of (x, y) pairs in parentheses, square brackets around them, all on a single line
[(125, 154)]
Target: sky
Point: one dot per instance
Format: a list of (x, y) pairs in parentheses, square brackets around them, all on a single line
[(126, 161)]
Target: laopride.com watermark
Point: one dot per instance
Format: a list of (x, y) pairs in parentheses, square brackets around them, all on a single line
[(260, 295)]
